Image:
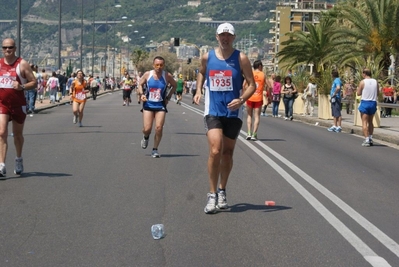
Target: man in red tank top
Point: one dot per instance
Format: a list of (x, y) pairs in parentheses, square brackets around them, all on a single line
[(16, 76)]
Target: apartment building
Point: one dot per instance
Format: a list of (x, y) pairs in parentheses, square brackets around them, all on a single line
[(290, 16)]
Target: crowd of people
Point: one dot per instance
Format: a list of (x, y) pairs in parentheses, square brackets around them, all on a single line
[(225, 79)]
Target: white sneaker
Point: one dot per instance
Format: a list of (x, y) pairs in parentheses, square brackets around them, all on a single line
[(222, 200), (2, 171), (19, 166), (155, 153), (332, 129), (285, 118), (75, 119), (144, 143), (211, 204)]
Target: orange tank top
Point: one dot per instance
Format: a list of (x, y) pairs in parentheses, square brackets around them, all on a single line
[(260, 81), (79, 94)]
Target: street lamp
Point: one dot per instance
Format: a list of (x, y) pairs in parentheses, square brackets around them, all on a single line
[(19, 29), (59, 35), (116, 4), (93, 37), (81, 38)]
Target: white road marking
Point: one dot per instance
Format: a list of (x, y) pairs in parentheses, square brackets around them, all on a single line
[(371, 228), (368, 254)]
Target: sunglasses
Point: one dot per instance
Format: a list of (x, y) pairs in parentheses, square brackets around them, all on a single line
[(8, 47), (158, 65)]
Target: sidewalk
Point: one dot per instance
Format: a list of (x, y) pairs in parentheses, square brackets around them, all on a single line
[(65, 101), (387, 132)]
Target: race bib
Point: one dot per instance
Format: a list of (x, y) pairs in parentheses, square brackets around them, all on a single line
[(220, 80), (155, 95), (80, 96), (6, 82)]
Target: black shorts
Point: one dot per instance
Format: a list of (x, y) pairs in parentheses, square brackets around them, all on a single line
[(126, 93), (230, 126)]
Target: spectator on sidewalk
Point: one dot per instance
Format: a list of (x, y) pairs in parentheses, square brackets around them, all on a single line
[(349, 95), (289, 90), (335, 99), (53, 86), (309, 96), (388, 95), (30, 95)]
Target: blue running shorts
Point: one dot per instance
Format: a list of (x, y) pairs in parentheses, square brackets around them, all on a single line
[(368, 107)]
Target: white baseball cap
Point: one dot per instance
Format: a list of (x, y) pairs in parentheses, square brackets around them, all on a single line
[(225, 27)]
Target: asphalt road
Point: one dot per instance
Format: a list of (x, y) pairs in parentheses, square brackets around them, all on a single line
[(89, 195)]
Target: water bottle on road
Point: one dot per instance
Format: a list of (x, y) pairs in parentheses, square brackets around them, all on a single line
[(157, 231)]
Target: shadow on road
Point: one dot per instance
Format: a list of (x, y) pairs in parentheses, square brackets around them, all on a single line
[(177, 155), (39, 174), (241, 207)]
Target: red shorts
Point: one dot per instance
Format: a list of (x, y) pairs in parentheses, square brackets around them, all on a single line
[(254, 104), (17, 113)]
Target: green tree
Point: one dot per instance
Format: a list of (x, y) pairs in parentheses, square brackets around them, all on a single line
[(138, 57), (369, 30), (314, 47)]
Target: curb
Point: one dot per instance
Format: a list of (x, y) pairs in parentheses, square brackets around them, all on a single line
[(353, 129)]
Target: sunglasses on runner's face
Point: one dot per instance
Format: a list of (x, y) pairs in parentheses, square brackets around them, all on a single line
[(159, 65), (8, 47)]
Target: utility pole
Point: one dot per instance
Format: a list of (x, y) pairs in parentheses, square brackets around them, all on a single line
[(19, 29), (93, 37), (59, 35)]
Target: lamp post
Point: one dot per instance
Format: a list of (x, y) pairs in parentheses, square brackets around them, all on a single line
[(59, 35), (19, 28), (93, 37), (81, 37)]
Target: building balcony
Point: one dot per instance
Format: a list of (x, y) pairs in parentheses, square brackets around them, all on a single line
[(271, 52), (272, 30)]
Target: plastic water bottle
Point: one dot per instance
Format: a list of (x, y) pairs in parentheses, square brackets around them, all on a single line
[(157, 231)]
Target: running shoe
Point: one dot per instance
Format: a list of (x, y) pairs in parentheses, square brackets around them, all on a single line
[(371, 142), (262, 114), (291, 118), (254, 137), (332, 129), (75, 119), (338, 129), (211, 204), (155, 153), (144, 143), (19, 166), (222, 200), (366, 143), (80, 124), (286, 118), (124, 104), (248, 136), (2, 171)]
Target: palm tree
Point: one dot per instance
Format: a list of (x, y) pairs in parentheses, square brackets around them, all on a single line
[(315, 46), (369, 30)]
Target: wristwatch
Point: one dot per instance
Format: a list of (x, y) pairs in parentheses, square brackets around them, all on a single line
[(242, 100), (23, 86)]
